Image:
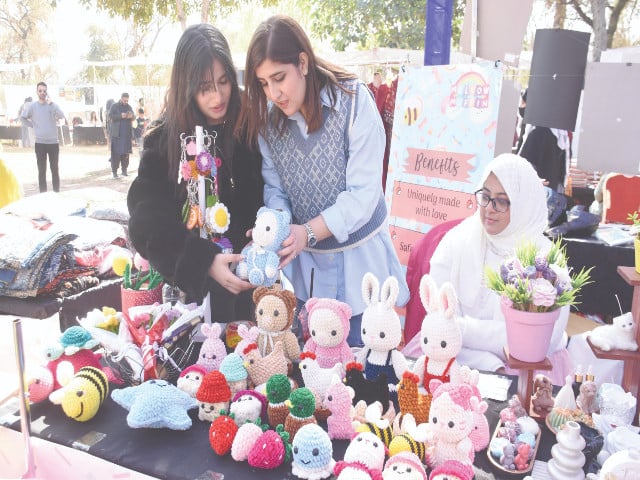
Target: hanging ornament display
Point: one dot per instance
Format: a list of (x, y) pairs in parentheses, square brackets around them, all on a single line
[(197, 168)]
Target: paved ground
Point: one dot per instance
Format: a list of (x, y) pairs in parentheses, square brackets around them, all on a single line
[(80, 167)]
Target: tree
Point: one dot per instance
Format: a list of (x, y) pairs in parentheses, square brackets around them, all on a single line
[(376, 23), (603, 33)]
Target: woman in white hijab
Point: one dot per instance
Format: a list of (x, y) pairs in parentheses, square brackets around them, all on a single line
[(512, 207)]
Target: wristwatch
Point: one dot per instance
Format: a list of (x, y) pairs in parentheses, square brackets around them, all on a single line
[(311, 237)]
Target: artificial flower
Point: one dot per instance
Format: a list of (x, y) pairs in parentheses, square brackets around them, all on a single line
[(149, 279), (186, 170), (218, 218), (536, 281), (204, 163)]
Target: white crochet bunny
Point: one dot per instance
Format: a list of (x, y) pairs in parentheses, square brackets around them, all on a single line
[(381, 332), (212, 350), (440, 335)]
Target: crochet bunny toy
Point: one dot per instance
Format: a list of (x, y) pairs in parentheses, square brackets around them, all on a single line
[(213, 349), (363, 458), (328, 321), (248, 335), (441, 338), (260, 264), (274, 316), (450, 424), (381, 333)]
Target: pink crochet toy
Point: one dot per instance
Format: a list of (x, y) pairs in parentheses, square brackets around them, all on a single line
[(441, 338), (329, 327), (213, 349), (450, 423), (404, 466), (481, 435), (338, 400), (452, 470), (245, 438)]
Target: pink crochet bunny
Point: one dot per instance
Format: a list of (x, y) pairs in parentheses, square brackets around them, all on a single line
[(248, 336), (481, 434), (212, 350), (328, 321), (450, 423), (338, 400), (441, 338)]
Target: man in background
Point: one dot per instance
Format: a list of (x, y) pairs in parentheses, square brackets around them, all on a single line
[(43, 116), (121, 116)]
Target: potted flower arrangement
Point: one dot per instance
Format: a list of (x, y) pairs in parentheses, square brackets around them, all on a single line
[(141, 283), (534, 285), (634, 218)]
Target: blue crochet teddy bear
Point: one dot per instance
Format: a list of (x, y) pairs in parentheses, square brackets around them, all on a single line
[(260, 258)]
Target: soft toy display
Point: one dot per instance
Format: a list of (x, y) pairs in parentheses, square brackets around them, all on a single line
[(213, 396), (441, 337), (404, 466), (363, 458), (232, 367), (83, 395), (190, 379), (248, 406), (312, 453), (156, 404), (247, 336), (316, 378), (244, 440), (274, 316), (406, 443), (480, 435), (212, 350), (329, 326), (271, 449), (260, 368), (381, 333), (301, 404), (278, 391), (260, 258), (450, 423), (338, 400)]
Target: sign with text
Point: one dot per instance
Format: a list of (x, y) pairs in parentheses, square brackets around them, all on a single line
[(443, 135)]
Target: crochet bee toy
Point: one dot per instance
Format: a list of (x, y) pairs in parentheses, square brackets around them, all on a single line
[(83, 395)]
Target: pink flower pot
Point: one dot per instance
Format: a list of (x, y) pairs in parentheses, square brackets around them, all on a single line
[(134, 298), (528, 333)]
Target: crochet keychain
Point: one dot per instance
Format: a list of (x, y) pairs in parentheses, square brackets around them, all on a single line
[(201, 175)]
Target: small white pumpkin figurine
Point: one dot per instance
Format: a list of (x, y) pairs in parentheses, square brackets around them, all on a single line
[(440, 335)]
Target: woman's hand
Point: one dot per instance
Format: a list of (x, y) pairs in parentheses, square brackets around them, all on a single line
[(221, 273), (292, 245)]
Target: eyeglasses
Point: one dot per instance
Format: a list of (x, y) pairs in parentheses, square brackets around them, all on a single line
[(499, 204)]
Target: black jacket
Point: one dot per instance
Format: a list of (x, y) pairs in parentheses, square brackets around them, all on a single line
[(155, 203)]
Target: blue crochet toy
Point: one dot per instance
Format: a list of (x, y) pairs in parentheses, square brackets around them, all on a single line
[(156, 404), (260, 263)]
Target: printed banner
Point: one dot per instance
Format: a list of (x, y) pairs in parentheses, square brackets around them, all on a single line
[(443, 136)]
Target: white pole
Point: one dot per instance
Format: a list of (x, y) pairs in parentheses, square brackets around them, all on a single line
[(202, 200)]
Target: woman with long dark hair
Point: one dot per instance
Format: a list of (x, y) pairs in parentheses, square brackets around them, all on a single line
[(203, 91)]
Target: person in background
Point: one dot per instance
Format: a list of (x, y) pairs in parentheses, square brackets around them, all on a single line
[(512, 206), (93, 119), (43, 116), (322, 143), (375, 84), (121, 116), (140, 126), (26, 135), (203, 91)]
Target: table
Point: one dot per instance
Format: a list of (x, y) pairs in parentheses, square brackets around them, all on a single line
[(10, 132), (87, 135), (599, 297)]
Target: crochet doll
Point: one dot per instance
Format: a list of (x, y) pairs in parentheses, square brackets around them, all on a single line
[(365, 454), (441, 338), (450, 424), (274, 317), (190, 379), (212, 350), (213, 396), (404, 466), (381, 333), (301, 404), (312, 453), (328, 322)]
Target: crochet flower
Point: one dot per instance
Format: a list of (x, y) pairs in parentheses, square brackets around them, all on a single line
[(204, 163), (186, 170), (543, 294), (218, 218)]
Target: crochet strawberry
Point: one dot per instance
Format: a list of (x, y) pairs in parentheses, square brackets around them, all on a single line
[(271, 449), (244, 440), (222, 432)]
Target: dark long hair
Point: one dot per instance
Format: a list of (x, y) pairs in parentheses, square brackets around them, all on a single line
[(197, 49), (281, 39)]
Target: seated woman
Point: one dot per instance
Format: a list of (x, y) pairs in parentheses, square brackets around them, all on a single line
[(511, 207)]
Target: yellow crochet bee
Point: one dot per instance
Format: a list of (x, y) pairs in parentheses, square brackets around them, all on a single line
[(82, 396)]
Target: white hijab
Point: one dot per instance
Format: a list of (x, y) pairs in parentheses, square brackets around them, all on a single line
[(528, 220)]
